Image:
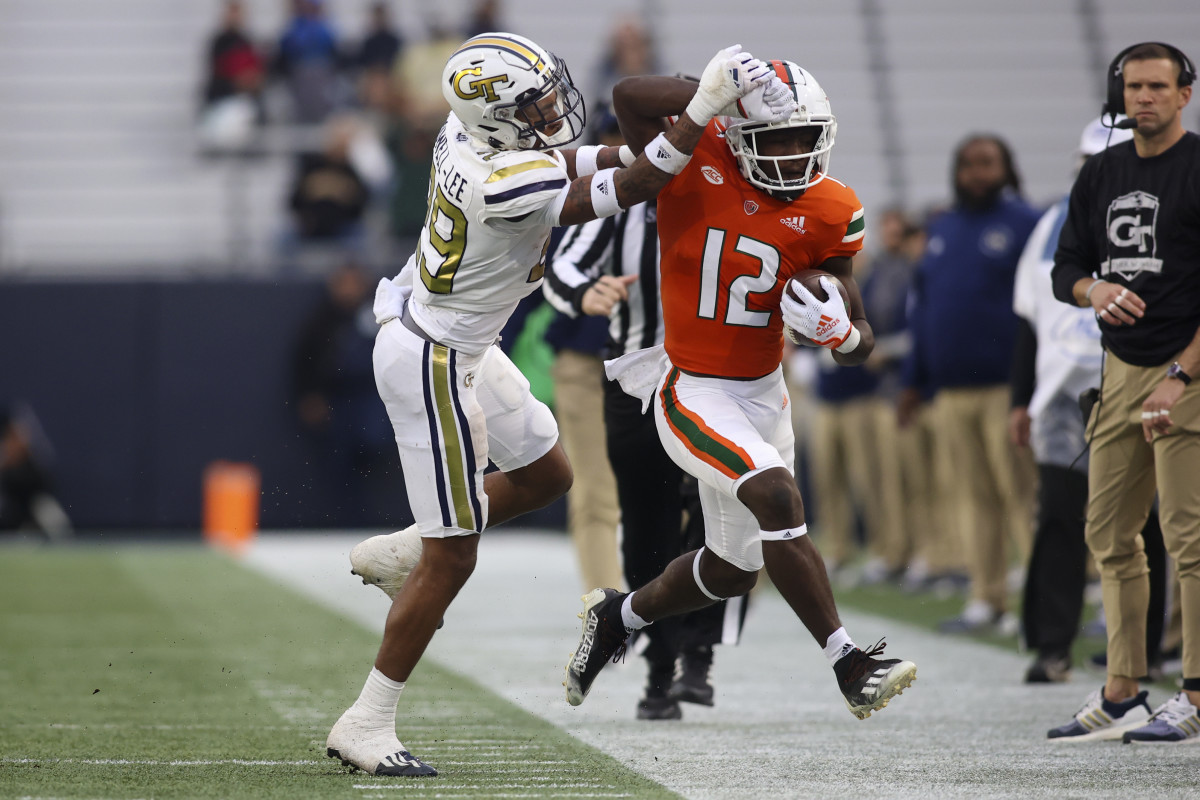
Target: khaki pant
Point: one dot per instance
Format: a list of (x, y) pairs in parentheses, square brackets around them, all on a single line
[(936, 538), (593, 513), (895, 534), (843, 476), (987, 483), (1124, 474)]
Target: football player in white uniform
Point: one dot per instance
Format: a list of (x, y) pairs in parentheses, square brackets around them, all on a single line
[(497, 188)]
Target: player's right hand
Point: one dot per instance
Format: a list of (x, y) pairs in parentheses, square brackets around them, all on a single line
[(731, 74)]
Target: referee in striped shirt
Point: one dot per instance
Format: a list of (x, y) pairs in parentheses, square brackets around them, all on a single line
[(609, 268)]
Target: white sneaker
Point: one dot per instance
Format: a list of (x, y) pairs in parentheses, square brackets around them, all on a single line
[(385, 561), (1099, 719), (373, 751)]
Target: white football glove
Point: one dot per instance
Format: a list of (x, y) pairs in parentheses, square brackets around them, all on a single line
[(771, 102), (826, 323), (729, 76)]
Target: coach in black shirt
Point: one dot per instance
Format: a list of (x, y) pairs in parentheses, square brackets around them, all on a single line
[(1130, 248)]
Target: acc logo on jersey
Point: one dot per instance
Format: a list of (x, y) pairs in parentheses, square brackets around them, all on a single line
[(1132, 223), (479, 87), (711, 175), (750, 206)]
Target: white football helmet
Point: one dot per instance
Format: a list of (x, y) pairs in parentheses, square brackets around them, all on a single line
[(812, 111), (512, 94)]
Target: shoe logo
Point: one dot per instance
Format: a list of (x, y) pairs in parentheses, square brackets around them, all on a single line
[(402, 759), (751, 206), (795, 223), (711, 175), (579, 663)]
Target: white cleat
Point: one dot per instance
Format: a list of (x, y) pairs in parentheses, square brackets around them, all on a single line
[(386, 561), (377, 753)]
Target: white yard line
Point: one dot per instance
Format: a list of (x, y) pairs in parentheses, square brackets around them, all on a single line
[(779, 729)]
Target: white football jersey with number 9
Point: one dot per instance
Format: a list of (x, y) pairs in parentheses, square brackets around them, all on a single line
[(484, 244)]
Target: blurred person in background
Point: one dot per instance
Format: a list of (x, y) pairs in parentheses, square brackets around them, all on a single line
[(606, 271), (630, 51), (329, 194), (842, 463), (309, 59), (232, 97), (377, 54), (885, 289), (1057, 359), (484, 17), (500, 185), (334, 388), (1128, 250), (27, 497), (964, 331)]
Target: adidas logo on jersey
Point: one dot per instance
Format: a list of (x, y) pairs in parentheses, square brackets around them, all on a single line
[(825, 326), (795, 223)]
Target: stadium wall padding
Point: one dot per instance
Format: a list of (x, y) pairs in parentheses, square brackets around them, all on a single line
[(140, 385)]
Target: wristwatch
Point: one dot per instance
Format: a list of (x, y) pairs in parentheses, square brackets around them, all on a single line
[(1175, 371)]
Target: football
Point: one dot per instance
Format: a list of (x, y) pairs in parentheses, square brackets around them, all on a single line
[(810, 279)]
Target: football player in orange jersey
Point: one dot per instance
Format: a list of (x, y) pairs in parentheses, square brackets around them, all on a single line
[(752, 206)]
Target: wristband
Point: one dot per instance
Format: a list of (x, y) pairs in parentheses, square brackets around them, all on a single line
[(852, 340), (626, 155), (1088, 294), (663, 155), (585, 159), (604, 193)]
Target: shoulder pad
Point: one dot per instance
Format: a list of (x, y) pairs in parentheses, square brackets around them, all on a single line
[(520, 181)]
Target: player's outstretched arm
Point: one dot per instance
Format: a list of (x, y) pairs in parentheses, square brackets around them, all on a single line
[(729, 76)]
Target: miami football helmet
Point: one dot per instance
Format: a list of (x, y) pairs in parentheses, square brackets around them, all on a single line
[(770, 172), (513, 94)]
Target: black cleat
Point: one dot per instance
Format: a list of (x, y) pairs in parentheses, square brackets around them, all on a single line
[(604, 637), (401, 764), (694, 682), (659, 708), (869, 683)]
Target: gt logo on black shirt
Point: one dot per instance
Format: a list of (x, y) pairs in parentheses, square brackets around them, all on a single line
[(1131, 223)]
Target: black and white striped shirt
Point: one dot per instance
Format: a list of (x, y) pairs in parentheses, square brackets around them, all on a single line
[(625, 244)]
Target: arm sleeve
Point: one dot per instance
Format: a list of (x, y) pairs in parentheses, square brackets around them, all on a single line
[(583, 256), (1076, 256), (1023, 375)]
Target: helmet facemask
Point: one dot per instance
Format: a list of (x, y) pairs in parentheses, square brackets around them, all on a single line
[(552, 117)]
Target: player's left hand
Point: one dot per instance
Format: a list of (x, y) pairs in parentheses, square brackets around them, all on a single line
[(826, 322), (1156, 410), (730, 75), (771, 102)]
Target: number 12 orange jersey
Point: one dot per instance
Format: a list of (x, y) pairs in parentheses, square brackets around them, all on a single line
[(728, 249)]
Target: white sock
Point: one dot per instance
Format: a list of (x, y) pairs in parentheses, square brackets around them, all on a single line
[(838, 644), (379, 698), (632, 621)]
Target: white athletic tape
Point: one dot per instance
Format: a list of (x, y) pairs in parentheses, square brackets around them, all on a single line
[(663, 155), (604, 193), (700, 583), (585, 159), (852, 341), (784, 535)]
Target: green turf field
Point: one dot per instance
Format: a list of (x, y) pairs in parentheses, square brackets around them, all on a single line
[(171, 672)]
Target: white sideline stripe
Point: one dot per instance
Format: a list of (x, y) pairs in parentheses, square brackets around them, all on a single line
[(411, 785), (464, 786), (158, 763)]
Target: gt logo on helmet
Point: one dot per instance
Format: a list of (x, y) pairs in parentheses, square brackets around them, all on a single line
[(479, 87)]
